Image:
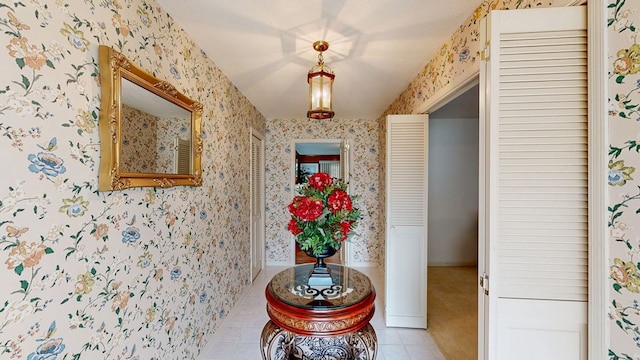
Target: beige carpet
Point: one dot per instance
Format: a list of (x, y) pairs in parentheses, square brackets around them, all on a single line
[(452, 311)]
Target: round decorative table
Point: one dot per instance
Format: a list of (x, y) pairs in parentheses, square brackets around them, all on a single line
[(328, 322)]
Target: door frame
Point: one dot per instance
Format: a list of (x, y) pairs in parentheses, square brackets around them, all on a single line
[(599, 337), (345, 250)]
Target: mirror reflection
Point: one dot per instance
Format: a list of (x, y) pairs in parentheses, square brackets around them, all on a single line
[(156, 134), (310, 157), (313, 157)]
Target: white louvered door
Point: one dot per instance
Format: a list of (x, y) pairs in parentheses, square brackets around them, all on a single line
[(406, 227), (257, 203), (535, 187)]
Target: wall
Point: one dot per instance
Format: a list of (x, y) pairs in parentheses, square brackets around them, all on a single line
[(624, 182), (362, 136), (453, 183), (142, 273)]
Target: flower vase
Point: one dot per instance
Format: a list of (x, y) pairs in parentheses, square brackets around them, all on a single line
[(320, 274)]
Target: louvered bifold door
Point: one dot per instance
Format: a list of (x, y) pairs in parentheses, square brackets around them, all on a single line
[(257, 204), (406, 213), (538, 180), (183, 157)]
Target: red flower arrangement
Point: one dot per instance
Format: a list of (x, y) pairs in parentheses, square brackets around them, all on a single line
[(323, 215)]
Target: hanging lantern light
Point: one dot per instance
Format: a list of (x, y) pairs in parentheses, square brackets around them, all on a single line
[(320, 79)]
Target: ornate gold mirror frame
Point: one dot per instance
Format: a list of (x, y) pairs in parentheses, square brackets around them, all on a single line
[(150, 133)]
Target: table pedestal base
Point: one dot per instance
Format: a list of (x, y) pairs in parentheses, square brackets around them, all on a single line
[(279, 344)]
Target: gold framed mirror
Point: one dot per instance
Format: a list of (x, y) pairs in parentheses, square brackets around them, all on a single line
[(150, 133)]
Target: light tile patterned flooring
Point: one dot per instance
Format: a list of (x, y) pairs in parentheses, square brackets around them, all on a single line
[(238, 338)]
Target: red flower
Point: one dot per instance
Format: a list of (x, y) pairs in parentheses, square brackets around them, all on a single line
[(339, 200), (305, 208), (346, 227), (320, 181), (293, 227)]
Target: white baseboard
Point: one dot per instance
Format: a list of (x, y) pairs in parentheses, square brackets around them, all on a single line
[(363, 264), (279, 263)]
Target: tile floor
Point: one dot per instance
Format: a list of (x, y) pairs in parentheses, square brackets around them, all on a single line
[(239, 336)]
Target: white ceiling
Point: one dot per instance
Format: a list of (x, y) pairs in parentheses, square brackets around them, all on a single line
[(376, 47)]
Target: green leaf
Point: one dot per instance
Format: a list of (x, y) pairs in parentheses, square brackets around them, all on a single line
[(64, 301), (617, 215), (25, 82), (50, 64), (620, 79), (20, 62), (48, 250), (18, 269), (24, 284), (617, 287)]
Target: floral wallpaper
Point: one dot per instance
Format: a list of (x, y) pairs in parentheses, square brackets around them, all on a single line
[(139, 140), (146, 273), (362, 136), (624, 186)]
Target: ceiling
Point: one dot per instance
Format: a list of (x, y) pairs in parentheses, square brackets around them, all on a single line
[(376, 47)]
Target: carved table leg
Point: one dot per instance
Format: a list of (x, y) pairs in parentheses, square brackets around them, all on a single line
[(269, 333), (278, 344), (359, 345), (368, 342)]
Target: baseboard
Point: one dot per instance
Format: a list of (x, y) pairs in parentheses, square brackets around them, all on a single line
[(451, 263), (363, 264), (279, 263)]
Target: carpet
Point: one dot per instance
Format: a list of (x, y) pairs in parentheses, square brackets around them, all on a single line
[(452, 310)]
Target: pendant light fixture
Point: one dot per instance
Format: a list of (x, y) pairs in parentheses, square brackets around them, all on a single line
[(320, 79)]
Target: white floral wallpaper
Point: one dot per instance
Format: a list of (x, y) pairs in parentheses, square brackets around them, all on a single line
[(362, 136), (138, 274), (624, 186), (139, 140)]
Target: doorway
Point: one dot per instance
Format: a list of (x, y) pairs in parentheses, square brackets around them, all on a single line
[(452, 310), (310, 157)]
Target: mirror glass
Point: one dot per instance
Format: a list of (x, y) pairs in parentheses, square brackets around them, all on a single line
[(156, 134), (150, 133), (313, 157)]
